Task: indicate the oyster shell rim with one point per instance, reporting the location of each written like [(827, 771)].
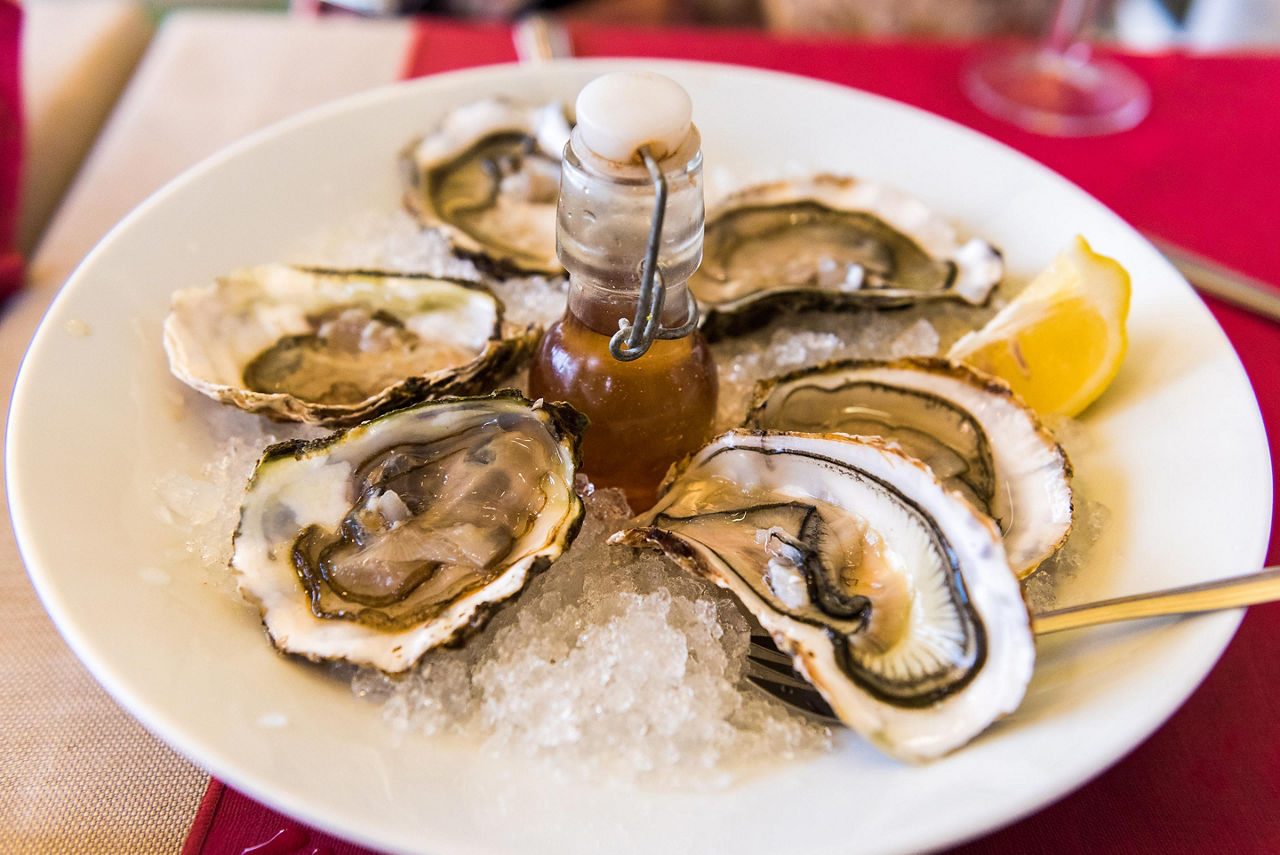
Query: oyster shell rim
[(688, 556), (952, 369), (508, 347), (755, 309), (563, 423), (500, 265)]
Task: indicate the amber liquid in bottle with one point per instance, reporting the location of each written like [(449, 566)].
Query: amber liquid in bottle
[(645, 414)]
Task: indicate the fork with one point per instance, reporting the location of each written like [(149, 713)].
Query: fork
[(770, 669)]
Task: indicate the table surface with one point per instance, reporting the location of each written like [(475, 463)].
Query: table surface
[(77, 57), (84, 777)]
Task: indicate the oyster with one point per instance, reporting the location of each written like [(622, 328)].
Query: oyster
[(489, 177), (831, 242), (379, 543), (971, 430), (891, 594), (335, 347)]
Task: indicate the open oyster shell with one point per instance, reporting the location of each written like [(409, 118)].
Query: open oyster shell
[(971, 429), (489, 178), (335, 347), (379, 543), (889, 591), (831, 242)]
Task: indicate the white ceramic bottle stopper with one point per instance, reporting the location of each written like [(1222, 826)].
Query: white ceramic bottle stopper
[(622, 111)]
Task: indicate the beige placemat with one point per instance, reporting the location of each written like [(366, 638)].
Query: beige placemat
[(77, 774), (77, 56)]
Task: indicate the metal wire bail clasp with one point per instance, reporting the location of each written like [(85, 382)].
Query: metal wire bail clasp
[(634, 338)]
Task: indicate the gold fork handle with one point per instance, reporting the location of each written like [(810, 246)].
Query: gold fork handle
[(1262, 587)]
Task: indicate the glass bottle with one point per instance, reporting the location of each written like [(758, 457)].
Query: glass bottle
[(650, 410)]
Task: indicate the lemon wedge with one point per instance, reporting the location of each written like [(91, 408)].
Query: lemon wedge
[(1060, 342)]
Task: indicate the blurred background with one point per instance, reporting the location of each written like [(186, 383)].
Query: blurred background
[(1143, 24), (79, 54), (1146, 24)]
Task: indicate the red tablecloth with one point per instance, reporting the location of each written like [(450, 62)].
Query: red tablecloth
[(11, 144), (1198, 171)]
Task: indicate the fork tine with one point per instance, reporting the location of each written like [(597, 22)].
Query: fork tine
[(804, 699), (763, 639), (783, 677), (770, 670), (767, 661), (783, 668), (764, 650)]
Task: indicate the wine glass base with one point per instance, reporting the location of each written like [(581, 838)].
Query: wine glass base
[(1068, 94)]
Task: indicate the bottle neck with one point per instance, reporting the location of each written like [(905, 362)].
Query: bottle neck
[(600, 303), (603, 223)]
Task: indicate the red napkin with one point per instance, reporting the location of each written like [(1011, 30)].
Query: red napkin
[(11, 264), (1199, 172), (229, 823)]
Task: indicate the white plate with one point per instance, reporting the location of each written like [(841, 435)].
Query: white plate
[(1176, 447)]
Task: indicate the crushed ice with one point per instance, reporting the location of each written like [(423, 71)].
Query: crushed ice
[(614, 662)]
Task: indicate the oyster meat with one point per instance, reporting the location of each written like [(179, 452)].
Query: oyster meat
[(971, 430), (890, 593), (831, 242), (379, 543), (489, 178), (335, 347)]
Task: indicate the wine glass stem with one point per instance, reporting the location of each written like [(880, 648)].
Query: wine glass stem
[(1064, 30)]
